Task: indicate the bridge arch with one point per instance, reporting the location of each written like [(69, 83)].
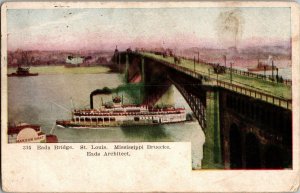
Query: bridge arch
[(252, 153), (235, 145)]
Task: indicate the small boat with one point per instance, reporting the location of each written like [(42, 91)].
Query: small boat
[(29, 133), (22, 71)]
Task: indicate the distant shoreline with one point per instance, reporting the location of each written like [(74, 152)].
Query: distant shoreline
[(51, 69)]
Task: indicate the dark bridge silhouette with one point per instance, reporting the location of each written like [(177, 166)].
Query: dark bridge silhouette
[(247, 119)]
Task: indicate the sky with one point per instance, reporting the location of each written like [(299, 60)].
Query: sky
[(94, 29)]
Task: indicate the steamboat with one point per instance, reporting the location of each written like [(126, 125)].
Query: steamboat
[(72, 61), (262, 67), (29, 133), (116, 114)]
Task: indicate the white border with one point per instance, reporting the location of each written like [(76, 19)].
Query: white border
[(140, 179)]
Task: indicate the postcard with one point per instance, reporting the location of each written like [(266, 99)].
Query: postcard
[(150, 96)]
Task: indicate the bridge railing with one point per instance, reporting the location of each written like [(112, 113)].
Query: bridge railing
[(270, 78), (242, 90), (285, 103)]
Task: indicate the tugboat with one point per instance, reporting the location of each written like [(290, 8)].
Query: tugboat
[(116, 114), (22, 71), (29, 133)]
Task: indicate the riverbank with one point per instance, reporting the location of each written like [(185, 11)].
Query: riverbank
[(64, 70)]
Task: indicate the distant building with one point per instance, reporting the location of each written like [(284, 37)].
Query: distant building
[(74, 60)]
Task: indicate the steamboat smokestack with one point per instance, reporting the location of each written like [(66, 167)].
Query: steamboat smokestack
[(91, 101), (105, 90)]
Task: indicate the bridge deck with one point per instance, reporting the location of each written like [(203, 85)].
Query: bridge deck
[(277, 93)]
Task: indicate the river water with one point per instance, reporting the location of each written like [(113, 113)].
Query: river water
[(47, 97)]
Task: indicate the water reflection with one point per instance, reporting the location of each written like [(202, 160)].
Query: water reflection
[(146, 133)]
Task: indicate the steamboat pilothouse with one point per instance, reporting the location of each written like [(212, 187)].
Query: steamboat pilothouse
[(116, 114)]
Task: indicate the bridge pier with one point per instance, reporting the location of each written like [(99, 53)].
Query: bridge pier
[(143, 70), (127, 68), (212, 157), (254, 134), (119, 62)]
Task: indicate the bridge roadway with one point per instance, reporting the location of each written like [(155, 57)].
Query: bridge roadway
[(279, 94)]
